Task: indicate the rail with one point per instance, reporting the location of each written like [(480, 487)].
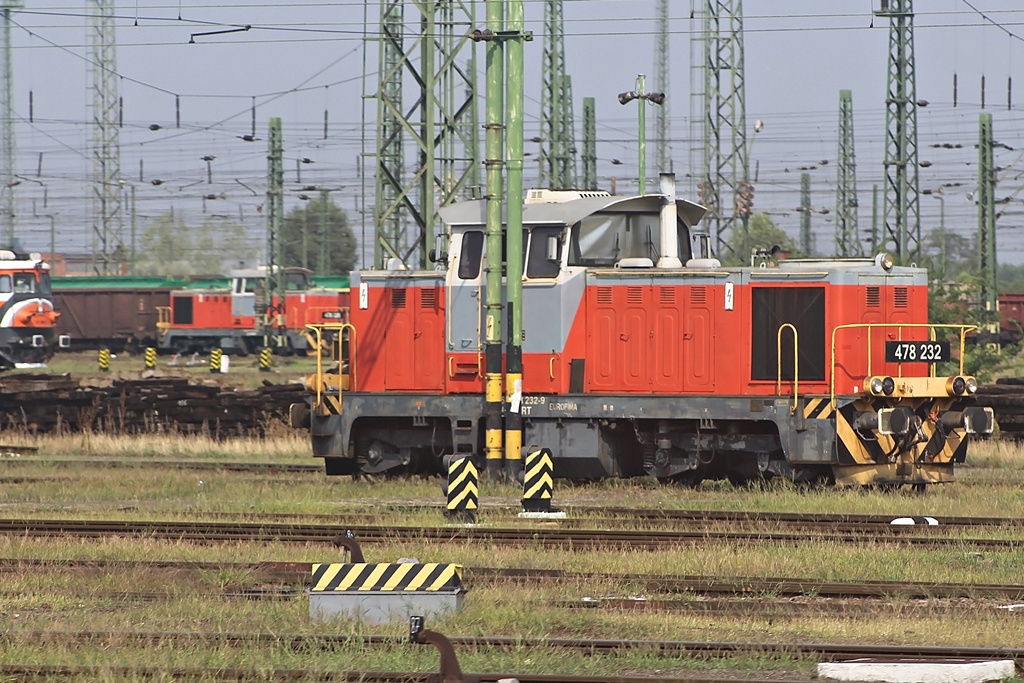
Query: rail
[(163, 319), (318, 330), (796, 365), (963, 329)]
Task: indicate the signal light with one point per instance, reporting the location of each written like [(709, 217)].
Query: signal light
[(972, 385), (876, 385), (957, 386), (888, 386)]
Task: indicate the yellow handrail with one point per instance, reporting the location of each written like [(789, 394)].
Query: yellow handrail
[(796, 365), (340, 328), (963, 329), (163, 319)]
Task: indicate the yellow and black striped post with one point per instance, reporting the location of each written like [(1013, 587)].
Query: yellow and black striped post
[(215, 357), (463, 490), (150, 358), (105, 360), (538, 481), (266, 359)]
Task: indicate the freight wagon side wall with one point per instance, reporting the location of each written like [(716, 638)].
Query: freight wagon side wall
[(109, 317)]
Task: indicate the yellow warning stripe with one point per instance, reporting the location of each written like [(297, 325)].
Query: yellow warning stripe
[(818, 409), (395, 576)]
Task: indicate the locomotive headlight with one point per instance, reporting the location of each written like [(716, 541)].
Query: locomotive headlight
[(885, 261), (972, 385), (956, 386), (876, 385), (888, 386)]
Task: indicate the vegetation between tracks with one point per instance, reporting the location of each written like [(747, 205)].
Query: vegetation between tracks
[(63, 598)]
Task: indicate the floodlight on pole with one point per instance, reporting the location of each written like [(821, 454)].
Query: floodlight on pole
[(654, 98)]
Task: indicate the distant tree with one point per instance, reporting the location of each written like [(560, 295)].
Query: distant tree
[(319, 223), (947, 254), (169, 247), (762, 233)]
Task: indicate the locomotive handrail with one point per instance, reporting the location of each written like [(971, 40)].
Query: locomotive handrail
[(796, 365), (340, 328), (163, 319), (963, 329)]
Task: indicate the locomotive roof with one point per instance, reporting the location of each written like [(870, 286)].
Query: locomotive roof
[(569, 213)]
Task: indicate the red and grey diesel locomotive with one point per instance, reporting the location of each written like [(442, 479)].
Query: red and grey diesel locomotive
[(643, 357), (28, 335)]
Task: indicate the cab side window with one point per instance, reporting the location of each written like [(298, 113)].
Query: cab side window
[(5, 284), (543, 261), (471, 254)]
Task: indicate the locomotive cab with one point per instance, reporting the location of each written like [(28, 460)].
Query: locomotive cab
[(642, 354)]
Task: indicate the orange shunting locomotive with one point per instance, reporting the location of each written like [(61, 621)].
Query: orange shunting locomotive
[(643, 355)]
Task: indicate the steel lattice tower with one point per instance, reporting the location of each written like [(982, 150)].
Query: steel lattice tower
[(725, 170), (7, 194), (557, 154), (806, 236), (987, 215), (427, 138), (589, 144), (902, 212), (107, 220), (848, 242), (662, 77)]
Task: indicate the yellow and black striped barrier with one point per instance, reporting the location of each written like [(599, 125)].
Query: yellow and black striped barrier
[(104, 360), (266, 359), (538, 481), (387, 577), (463, 490), (215, 360), (150, 358)]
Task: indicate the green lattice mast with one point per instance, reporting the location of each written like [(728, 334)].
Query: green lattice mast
[(848, 242)]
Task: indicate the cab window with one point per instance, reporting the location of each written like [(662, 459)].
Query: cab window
[(5, 284), (471, 254), (24, 283), (540, 261)]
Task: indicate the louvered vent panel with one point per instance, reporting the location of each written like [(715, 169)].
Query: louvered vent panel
[(635, 295), (901, 297), (667, 296), (604, 295), (874, 297), (698, 295), (397, 298), (428, 298)]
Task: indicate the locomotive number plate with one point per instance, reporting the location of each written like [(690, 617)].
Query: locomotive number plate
[(916, 351)]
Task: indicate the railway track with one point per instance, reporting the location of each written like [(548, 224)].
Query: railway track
[(298, 574), (308, 642), (209, 532), (29, 673)]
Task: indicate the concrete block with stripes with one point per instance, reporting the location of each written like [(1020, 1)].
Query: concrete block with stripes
[(150, 358), (104, 360), (539, 484), (385, 592), (266, 359), (538, 480), (215, 360), (463, 490)]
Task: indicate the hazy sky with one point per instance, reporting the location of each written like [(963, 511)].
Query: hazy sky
[(302, 58)]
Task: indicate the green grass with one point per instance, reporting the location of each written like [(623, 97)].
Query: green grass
[(58, 597)]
